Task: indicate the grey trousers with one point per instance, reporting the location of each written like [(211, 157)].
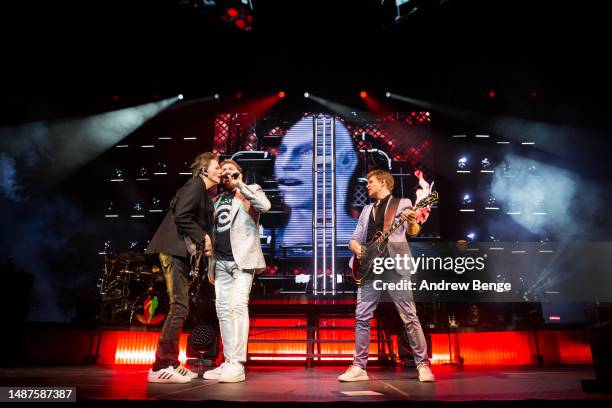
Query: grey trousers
[(367, 302)]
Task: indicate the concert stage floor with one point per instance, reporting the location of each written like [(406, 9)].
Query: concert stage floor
[(318, 385)]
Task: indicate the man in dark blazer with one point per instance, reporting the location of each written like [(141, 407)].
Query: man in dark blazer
[(189, 222)]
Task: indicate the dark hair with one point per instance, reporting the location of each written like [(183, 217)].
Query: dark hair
[(201, 162)]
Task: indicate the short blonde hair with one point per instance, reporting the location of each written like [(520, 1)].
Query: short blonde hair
[(230, 161), (383, 175)]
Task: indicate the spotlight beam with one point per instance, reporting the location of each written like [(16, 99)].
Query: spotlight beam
[(57, 148), (343, 110), (513, 128)]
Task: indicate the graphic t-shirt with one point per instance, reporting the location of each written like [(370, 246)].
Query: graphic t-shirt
[(223, 247)]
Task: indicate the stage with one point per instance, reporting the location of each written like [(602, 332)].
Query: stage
[(299, 385)]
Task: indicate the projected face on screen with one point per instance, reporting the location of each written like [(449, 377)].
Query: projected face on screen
[(293, 166), (293, 171)]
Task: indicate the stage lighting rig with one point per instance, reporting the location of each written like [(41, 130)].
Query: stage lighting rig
[(238, 13), (396, 11)]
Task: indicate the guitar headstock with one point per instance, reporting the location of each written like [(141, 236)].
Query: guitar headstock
[(429, 200)]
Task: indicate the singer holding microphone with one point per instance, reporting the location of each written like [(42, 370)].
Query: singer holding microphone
[(238, 256)]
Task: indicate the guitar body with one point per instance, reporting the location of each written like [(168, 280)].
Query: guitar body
[(362, 268)]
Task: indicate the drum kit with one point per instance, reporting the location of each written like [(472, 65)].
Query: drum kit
[(132, 289)]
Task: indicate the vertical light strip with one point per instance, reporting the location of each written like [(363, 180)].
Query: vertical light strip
[(333, 188), (314, 208), (324, 231)]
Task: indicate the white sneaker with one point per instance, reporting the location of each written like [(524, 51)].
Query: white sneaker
[(354, 373), (182, 370), (166, 375), (234, 372), (425, 374), (215, 373)]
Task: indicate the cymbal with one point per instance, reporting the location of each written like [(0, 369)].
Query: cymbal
[(142, 272)]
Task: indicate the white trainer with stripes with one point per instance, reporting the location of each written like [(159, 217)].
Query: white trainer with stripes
[(182, 370), (167, 375)]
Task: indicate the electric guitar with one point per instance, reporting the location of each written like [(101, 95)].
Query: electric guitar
[(199, 266), (376, 246)]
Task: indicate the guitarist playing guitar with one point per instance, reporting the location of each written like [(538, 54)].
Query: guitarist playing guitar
[(375, 218)]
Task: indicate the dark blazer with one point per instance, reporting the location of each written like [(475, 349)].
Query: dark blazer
[(191, 213)]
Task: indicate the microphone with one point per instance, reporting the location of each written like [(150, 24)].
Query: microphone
[(234, 175)]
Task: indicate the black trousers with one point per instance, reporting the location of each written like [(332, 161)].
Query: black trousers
[(176, 272)]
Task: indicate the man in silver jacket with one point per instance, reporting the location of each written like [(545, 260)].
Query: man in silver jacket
[(238, 256)]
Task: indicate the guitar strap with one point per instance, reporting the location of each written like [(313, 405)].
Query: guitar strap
[(390, 212)]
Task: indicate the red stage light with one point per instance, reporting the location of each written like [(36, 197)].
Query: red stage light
[(139, 347), (479, 348), (232, 12), (363, 94), (491, 94), (281, 94), (241, 24)]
